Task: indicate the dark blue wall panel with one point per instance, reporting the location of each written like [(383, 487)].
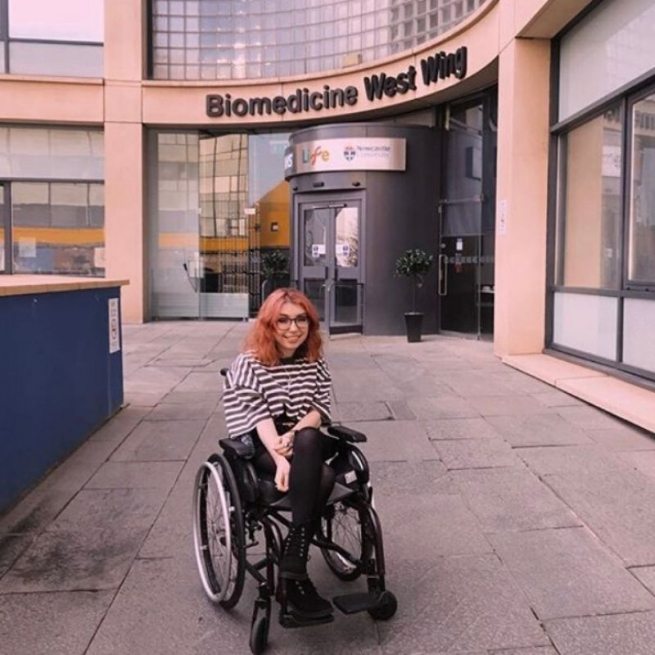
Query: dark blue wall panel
[(58, 381)]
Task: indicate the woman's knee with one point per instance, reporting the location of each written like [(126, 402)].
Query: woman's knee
[(307, 440)]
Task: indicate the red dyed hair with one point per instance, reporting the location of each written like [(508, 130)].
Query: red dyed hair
[(261, 338)]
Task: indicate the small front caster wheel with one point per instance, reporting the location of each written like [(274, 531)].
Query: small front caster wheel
[(386, 608), (259, 635)]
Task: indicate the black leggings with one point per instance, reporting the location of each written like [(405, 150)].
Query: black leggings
[(311, 480)]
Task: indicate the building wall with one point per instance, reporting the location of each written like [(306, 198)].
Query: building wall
[(126, 104)]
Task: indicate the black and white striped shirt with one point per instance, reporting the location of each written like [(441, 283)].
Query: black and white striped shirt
[(255, 392)]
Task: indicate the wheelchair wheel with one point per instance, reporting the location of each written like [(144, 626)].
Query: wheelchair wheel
[(218, 531), (259, 635), (349, 527)]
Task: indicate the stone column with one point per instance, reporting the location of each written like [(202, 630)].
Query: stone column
[(521, 211), (125, 217)]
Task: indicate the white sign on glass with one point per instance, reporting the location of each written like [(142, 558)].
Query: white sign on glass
[(27, 247), (318, 250)]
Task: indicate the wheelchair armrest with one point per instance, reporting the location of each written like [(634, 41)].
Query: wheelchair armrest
[(224, 372), (236, 448), (346, 434)]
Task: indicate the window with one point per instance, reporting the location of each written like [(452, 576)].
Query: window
[(58, 228), (641, 256), (63, 20), (590, 217), (63, 38)]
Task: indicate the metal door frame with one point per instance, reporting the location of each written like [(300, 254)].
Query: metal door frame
[(333, 200)]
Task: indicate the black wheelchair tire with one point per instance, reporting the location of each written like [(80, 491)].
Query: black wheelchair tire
[(339, 566), (237, 535), (259, 635), (386, 609)]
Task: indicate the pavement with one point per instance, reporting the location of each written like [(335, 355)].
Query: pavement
[(517, 519)]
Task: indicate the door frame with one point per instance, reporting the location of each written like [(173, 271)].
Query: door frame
[(332, 199)]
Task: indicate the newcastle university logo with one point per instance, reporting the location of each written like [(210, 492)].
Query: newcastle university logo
[(349, 153)]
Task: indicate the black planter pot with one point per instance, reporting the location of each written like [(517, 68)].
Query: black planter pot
[(413, 324)]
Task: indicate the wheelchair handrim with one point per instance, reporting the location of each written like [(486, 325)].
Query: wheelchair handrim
[(200, 548)]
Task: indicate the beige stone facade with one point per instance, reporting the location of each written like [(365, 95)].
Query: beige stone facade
[(508, 44)]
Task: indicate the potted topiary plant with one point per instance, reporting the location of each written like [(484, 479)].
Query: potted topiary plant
[(275, 270), (414, 264)]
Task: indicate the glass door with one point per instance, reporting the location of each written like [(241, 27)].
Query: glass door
[(329, 256), (466, 219)]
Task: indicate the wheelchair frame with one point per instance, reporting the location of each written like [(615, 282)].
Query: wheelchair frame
[(241, 513)]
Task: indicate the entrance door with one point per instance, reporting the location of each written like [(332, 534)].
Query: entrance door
[(329, 249), (466, 219)]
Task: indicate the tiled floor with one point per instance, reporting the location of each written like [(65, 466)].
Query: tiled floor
[(518, 521)]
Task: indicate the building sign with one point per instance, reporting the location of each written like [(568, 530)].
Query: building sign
[(352, 154), (376, 87), (114, 326)]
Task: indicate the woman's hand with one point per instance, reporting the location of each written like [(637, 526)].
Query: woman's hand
[(284, 445), (282, 475)]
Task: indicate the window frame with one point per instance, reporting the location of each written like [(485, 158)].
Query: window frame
[(627, 95), (631, 101)]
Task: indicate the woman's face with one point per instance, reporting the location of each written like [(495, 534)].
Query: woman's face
[(291, 329)]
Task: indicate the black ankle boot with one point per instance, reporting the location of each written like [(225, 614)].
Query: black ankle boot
[(295, 589), (303, 600), (295, 551)]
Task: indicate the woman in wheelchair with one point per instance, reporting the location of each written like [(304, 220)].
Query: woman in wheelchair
[(276, 462), (277, 395)]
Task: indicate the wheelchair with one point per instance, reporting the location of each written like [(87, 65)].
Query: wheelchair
[(233, 508)]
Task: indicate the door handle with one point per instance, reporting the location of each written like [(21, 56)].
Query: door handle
[(442, 284)]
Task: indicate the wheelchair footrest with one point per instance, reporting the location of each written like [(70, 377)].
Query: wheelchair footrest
[(354, 603), (294, 621)]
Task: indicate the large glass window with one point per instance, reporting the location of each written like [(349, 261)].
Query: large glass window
[(53, 199), (58, 228), (590, 211), (641, 258), (219, 202), (63, 20), (232, 39), (62, 38), (613, 46)]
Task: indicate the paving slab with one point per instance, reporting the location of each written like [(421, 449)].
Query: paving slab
[(396, 441), (184, 397), (512, 499), (121, 424), (12, 546), (618, 506), (187, 623), (513, 405), (36, 511), (74, 560), (475, 453), (643, 461), (442, 407), (476, 383), (391, 478), (364, 385), (369, 411), (400, 410), (458, 605), (182, 411), (645, 575), (110, 509), (154, 379), (621, 634), (554, 398), (589, 418), (201, 381), (622, 439), (135, 475), (538, 650), (538, 429), (160, 441), (57, 623), (568, 573), (570, 460), (452, 530), (460, 428)]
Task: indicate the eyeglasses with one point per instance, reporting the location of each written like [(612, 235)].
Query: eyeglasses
[(284, 322)]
